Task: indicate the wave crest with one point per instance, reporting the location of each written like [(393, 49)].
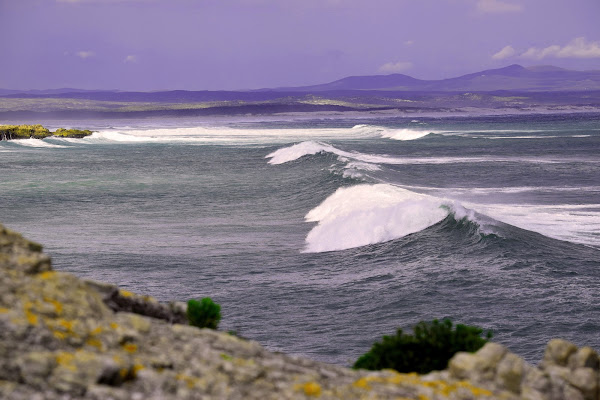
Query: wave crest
[(35, 143), (302, 149), (366, 214), (395, 134)]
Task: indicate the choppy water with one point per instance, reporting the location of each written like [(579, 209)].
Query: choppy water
[(319, 236)]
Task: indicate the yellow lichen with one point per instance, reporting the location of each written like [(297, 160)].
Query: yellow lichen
[(479, 391), (94, 343), (65, 360), (66, 324), (125, 293), (362, 383), (59, 335), (58, 307), (130, 347), (137, 368), (31, 318), (96, 331), (188, 380), (47, 275), (4, 310), (114, 325), (312, 389)]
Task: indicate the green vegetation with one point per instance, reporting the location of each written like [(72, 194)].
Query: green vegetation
[(428, 349), (71, 133), (204, 313), (9, 132)]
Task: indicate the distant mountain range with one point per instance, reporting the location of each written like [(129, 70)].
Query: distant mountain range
[(513, 78)]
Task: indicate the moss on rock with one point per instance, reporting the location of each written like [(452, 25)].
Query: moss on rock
[(10, 132), (13, 132), (72, 133)]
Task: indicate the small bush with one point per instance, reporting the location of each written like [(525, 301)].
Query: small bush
[(71, 133), (204, 313), (428, 349)]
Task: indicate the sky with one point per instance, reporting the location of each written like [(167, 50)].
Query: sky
[(247, 44)]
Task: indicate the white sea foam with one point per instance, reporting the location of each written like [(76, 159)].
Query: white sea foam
[(395, 134), (404, 134), (367, 214), (35, 143), (571, 222), (299, 150), (227, 135), (114, 136), (296, 151)]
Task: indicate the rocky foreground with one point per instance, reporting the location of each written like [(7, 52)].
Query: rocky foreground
[(66, 338)]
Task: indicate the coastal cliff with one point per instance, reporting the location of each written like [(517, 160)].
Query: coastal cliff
[(62, 337)]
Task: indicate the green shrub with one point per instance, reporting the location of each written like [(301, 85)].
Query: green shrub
[(72, 133), (204, 313), (428, 349), (8, 132)]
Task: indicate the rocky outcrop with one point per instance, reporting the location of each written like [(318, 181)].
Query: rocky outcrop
[(65, 338), (72, 133), (13, 132), (566, 372)]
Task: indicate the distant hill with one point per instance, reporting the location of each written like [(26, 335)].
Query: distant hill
[(514, 77), (43, 92)]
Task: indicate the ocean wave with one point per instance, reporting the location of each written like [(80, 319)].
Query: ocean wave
[(34, 143), (367, 214), (576, 223), (114, 136), (226, 135), (404, 134), (298, 150), (395, 134)]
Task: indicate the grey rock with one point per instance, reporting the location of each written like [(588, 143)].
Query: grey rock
[(558, 352), (62, 338)]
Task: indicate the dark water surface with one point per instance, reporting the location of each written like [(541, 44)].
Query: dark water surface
[(491, 221)]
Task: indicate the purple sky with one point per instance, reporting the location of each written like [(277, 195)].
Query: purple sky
[(238, 44)]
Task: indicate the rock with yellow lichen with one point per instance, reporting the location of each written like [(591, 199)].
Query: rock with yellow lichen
[(65, 338)]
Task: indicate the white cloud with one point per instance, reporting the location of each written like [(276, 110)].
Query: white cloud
[(497, 6), (399, 66), (506, 52), (576, 48), (409, 42), (132, 58), (85, 54)]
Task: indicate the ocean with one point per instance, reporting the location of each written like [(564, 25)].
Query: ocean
[(320, 234)]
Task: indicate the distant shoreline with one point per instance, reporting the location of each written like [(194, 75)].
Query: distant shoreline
[(327, 111)]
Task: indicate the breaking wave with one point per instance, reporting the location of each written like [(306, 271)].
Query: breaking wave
[(367, 214), (34, 143), (395, 134), (296, 151)]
